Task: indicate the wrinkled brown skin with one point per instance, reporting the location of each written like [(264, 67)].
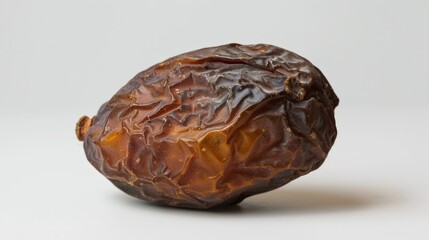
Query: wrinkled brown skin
[(211, 127)]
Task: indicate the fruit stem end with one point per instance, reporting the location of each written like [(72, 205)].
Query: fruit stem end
[(82, 127)]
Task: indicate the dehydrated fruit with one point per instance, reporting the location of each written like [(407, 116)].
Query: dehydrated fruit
[(213, 126)]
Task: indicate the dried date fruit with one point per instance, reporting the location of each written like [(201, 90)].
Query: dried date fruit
[(213, 126)]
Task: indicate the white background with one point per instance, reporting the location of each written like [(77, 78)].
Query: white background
[(63, 59)]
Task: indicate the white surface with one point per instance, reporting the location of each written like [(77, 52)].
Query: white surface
[(60, 60)]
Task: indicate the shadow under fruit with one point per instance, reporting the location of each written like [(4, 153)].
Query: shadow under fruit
[(213, 126)]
